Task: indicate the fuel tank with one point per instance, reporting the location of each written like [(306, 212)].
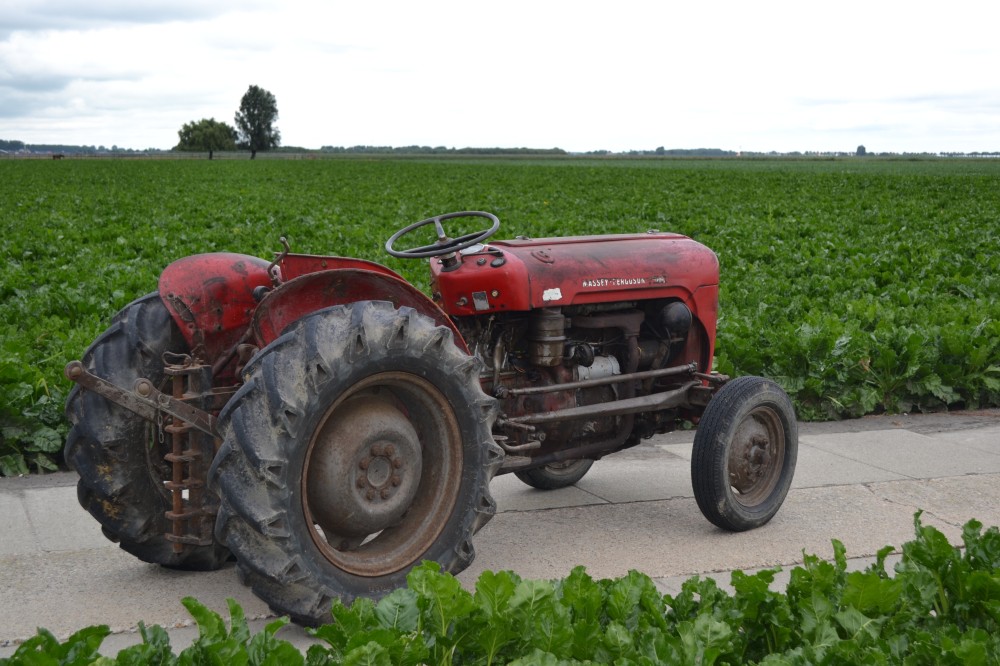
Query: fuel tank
[(524, 274)]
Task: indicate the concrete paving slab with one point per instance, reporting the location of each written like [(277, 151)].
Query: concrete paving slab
[(985, 439), (955, 500), (908, 453), (680, 450), (817, 467), (638, 480), (670, 537), (601, 524), (18, 537), (511, 494), (107, 586), (44, 505)]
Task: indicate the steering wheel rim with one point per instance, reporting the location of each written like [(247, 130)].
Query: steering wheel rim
[(444, 244)]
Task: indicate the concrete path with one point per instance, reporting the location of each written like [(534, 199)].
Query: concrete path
[(856, 481)]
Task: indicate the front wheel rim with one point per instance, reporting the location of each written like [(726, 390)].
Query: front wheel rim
[(756, 457)]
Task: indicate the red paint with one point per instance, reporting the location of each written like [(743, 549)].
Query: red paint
[(296, 265), (518, 275), (314, 291), (210, 296), (553, 272)]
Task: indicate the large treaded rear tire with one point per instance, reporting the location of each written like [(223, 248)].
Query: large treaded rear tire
[(113, 450), (359, 445), (744, 454)]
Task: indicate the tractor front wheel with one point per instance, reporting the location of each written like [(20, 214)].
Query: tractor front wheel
[(744, 454), (359, 446)]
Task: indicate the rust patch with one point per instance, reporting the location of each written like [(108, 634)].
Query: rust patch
[(111, 510)]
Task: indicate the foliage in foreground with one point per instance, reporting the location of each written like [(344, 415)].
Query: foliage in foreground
[(942, 606)]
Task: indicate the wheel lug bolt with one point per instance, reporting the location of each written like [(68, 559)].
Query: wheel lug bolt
[(396, 480), (370, 495), (385, 493), (389, 450), (360, 482), (397, 463), (365, 462), (377, 450)]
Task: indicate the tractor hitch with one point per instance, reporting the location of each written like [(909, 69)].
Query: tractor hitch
[(192, 438), (143, 399)]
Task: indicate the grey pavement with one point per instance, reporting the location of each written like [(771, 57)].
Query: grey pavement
[(857, 481)]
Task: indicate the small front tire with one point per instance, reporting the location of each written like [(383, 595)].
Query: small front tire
[(744, 454)]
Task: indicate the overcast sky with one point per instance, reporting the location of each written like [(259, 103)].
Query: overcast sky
[(788, 76)]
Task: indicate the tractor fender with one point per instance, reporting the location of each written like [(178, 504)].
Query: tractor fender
[(210, 297), (308, 293)]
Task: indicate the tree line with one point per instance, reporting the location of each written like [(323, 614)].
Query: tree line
[(438, 150), (254, 127)]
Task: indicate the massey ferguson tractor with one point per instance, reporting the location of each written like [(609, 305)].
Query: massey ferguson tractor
[(329, 426)]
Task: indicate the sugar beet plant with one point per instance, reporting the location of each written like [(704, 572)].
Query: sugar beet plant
[(860, 285), (940, 606)]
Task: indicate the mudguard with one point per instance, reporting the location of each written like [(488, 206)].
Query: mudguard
[(336, 286), (210, 297)]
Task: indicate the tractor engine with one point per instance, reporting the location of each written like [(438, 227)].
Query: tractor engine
[(580, 334), (569, 361)]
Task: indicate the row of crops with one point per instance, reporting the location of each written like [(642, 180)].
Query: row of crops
[(860, 285)]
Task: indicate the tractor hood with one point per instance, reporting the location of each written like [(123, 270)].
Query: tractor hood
[(524, 274)]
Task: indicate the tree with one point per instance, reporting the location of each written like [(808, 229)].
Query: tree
[(206, 134), (255, 121), (861, 151)]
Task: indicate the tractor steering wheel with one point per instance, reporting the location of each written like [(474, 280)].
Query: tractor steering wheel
[(444, 244)]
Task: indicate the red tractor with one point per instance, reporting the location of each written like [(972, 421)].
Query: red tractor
[(328, 425)]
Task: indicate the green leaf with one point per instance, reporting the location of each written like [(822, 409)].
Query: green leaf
[(398, 610), (494, 592), (264, 649), (440, 598), (538, 658), (239, 630), (154, 649), (48, 440), (584, 596), (705, 640), (617, 640), (211, 627), (858, 625), (869, 593), (370, 654), (13, 464)]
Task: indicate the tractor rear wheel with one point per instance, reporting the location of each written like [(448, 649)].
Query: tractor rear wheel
[(744, 454), (359, 446), (115, 451), (555, 475)]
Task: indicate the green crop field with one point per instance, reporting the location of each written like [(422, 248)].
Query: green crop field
[(860, 285)]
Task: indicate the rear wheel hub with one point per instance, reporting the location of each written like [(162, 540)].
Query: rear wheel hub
[(365, 469)]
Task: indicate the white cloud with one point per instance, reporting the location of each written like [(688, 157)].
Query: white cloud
[(581, 76)]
